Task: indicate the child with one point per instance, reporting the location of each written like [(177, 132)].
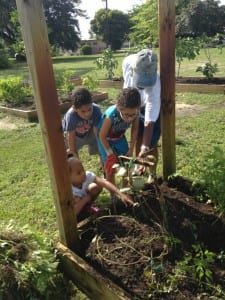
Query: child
[(79, 123), (112, 127), (86, 187)]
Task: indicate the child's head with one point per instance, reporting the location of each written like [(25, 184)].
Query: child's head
[(76, 170), (82, 103), (128, 103)]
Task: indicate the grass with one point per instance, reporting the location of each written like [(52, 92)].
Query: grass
[(83, 64)]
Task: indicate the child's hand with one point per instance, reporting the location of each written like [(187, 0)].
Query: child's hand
[(110, 161), (126, 200)]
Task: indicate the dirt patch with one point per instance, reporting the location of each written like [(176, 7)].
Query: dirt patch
[(170, 246), (7, 124)]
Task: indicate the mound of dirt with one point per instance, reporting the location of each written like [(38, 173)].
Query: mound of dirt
[(169, 246)]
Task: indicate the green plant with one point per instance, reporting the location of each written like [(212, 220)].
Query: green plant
[(108, 62), (14, 91), (186, 48), (29, 267), (90, 81), (63, 81), (212, 174), (86, 50), (208, 70), (197, 264)]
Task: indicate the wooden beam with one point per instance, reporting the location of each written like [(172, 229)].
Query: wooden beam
[(35, 37), (167, 74), (87, 278)]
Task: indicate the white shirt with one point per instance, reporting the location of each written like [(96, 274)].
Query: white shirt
[(82, 192), (150, 96)]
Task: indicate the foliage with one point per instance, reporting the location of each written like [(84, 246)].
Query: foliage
[(13, 91), (4, 59), (86, 50), (212, 174), (90, 81), (197, 264), (111, 26), (209, 69), (191, 23), (107, 61), (29, 267), (63, 81), (144, 30), (61, 18), (186, 48)]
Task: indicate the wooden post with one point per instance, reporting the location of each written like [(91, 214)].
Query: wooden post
[(35, 37), (167, 74)]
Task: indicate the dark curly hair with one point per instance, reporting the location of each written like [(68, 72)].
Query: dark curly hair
[(81, 97), (129, 98)]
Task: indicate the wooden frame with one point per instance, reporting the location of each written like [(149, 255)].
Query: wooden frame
[(35, 37)]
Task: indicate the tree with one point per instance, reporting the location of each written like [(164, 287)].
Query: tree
[(201, 17), (61, 18), (145, 23), (112, 27), (63, 26)]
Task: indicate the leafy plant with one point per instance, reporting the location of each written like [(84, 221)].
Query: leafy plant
[(197, 264), (90, 81), (208, 70), (212, 174), (186, 48), (108, 62), (29, 267), (14, 91), (63, 81)]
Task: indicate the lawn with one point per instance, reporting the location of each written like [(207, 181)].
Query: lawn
[(81, 65)]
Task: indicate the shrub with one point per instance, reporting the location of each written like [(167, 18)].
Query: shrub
[(90, 81), (13, 91), (4, 59), (29, 267), (86, 50)]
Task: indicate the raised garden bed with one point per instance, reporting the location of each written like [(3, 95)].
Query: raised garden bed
[(170, 246), (28, 111), (183, 84)]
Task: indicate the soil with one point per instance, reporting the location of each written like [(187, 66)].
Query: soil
[(199, 80), (169, 246)]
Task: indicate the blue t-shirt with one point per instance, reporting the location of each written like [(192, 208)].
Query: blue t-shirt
[(72, 121), (119, 126)]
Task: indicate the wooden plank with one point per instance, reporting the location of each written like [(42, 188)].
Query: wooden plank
[(167, 74), (200, 88), (87, 278), (35, 38)]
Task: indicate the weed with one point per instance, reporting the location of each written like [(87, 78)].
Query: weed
[(13, 91)]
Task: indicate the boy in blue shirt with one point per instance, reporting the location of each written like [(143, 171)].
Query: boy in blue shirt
[(112, 128), (80, 121)]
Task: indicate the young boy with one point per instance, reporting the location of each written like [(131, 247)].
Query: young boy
[(86, 187), (80, 121), (112, 127)]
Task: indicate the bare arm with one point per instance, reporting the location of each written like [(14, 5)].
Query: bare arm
[(133, 138), (71, 139), (113, 189), (104, 132)]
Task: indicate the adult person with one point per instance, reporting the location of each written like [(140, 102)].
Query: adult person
[(140, 71)]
